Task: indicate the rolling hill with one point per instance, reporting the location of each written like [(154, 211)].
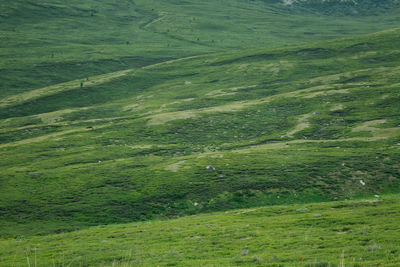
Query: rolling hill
[(43, 43), (253, 119), (227, 130)]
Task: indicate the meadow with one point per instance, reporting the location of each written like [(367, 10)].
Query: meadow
[(264, 140), (276, 126), (43, 43), (323, 234)]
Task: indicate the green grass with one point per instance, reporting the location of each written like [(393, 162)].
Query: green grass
[(303, 123), (113, 113), (49, 42), (346, 233)]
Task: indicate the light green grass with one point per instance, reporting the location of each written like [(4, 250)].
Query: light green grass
[(346, 233)]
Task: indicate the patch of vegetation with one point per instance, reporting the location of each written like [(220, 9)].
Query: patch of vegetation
[(323, 234), (44, 43), (228, 130)]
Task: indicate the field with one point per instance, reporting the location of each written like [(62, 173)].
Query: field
[(286, 125), (113, 113), (43, 43), (324, 234)]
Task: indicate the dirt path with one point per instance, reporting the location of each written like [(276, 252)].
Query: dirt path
[(62, 87), (49, 136), (76, 84)]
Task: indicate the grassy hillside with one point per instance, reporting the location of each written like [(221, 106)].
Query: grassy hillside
[(339, 8), (214, 132), (48, 42), (348, 233)]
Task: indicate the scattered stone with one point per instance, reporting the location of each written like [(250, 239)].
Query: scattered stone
[(317, 215), (316, 113), (377, 196), (245, 252), (362, 182), (195, 204), (341, 233), (373, 247), (35, 174), (303, 209), (210, 168), (99, 161)]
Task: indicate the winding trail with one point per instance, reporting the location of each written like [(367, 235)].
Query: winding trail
[(76, 84)]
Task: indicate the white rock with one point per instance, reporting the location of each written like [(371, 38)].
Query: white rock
[(303, 209)]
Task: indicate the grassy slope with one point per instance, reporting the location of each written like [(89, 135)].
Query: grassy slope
[(48, 42), (348, 233), (288, 125)]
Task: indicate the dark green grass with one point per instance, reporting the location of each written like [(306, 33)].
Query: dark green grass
[(137, 147), (44, 42), (224, 105)]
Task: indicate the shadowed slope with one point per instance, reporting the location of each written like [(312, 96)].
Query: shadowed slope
[(48, 42)]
